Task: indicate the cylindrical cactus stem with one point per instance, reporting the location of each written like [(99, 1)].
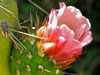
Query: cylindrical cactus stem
[(8, 16), (5, 44)]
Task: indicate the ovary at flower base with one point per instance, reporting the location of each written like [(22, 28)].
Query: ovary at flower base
[(67, 32)]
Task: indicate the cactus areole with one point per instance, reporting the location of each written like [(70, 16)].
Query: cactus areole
[(8, 16)]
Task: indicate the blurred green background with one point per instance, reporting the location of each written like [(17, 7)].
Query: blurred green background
[(88, 63)]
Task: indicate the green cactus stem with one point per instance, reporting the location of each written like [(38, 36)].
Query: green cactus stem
[(8, 14), (31, 61)]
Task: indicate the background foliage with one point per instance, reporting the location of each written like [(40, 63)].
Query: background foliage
[(89, 62)]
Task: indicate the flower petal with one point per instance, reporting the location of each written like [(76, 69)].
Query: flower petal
[(61, 10), (40, 32), (67, 63), (54, 34), (73, 18), (68, 33), (86, 38), (71, 50), (49, 47), (52, 19)]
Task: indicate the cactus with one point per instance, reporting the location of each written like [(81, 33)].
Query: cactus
[(31, 61), (8, 15), (41, 52)]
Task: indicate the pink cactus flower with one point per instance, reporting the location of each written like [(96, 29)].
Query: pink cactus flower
[(67, 32)]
